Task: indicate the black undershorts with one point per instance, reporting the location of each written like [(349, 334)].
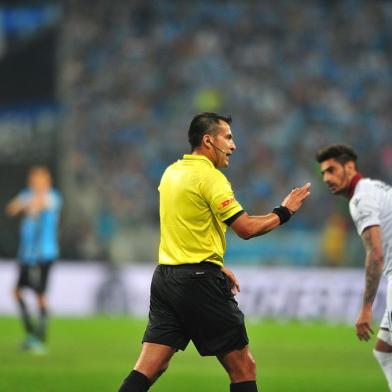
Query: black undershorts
[(34, 276), (195, 302)]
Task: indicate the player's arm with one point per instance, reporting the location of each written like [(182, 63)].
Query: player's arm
[(30, 206), (14, 207), (38, 203), (374, 264), (247, 226)]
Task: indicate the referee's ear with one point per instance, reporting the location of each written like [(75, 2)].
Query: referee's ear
[(207, 142)]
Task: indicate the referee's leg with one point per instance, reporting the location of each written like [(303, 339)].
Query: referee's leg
[(241, 368), (153, 361)]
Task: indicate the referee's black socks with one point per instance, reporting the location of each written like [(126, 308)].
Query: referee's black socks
[(246, 386), (136, 382)]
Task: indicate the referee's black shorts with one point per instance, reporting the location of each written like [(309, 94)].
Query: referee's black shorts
[(195, 302)]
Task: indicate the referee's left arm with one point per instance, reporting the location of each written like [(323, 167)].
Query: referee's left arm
[(246, 226)]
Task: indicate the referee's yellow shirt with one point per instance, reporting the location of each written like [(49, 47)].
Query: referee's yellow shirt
[(195, 200)]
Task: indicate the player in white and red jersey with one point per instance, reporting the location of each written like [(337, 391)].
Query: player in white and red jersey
[(370, 203)]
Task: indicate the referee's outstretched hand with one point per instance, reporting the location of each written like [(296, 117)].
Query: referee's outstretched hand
[(294, 200)]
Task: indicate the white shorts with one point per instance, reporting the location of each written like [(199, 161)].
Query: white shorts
[(386, 322)]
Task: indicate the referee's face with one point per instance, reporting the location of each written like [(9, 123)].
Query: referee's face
[(336, 175), (224, 145)]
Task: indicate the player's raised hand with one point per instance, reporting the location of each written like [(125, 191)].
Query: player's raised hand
[(294, 200), (362, 326)]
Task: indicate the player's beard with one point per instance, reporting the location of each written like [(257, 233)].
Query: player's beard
[(343, 189)]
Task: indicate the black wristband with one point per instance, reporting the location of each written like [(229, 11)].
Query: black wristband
[(283, 213)]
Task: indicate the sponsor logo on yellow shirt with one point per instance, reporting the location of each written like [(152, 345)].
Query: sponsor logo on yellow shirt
[(226, 203)]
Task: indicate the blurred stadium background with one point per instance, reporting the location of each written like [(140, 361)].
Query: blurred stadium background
[(103, 93)]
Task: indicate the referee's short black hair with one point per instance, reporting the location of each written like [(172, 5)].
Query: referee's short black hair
[(204, 123), (342, 153)]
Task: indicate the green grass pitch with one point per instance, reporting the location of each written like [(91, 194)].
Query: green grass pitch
[(94, 354)]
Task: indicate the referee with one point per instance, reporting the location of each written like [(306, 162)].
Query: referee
[(192, 294)]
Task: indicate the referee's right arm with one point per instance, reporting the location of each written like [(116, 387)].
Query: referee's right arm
[(246, 226)]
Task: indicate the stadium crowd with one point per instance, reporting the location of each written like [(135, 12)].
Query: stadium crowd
[(294, 78)]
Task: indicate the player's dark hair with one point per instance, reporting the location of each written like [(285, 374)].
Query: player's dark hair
[(204, 123), (342, 153)]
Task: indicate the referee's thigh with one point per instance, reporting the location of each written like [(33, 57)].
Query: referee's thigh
[(195, 302), (214, 321)]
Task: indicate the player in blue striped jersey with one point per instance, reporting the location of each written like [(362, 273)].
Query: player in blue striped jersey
[(40, 206)]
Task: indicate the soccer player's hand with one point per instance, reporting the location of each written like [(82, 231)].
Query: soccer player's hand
[(293, 201), (364, 331), (235, 285)]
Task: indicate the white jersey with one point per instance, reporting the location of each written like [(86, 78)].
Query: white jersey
[(371, 205)]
